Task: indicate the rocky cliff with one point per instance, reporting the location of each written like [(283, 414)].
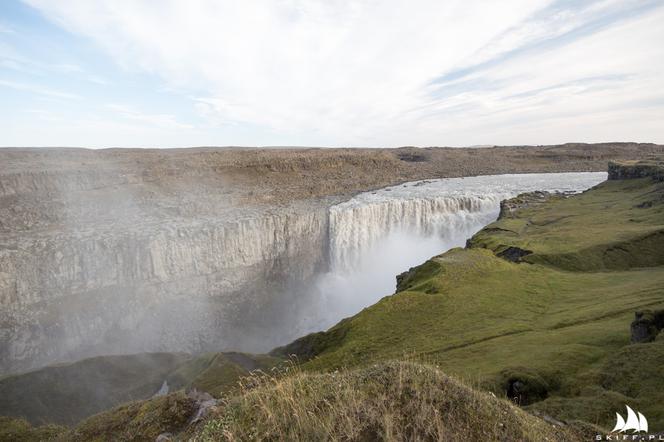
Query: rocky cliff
[(125, 250), (621, 170)]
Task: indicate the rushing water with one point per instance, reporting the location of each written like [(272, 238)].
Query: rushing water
[(377, 235)]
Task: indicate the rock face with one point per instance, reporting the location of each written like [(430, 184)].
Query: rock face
[(646, 325), (119, 251), (122, 290), (514, 254), (622, 170), (509, 206)]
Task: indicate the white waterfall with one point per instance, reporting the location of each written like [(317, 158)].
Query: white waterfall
[(377, 235)]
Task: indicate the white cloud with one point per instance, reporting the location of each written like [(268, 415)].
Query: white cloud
[(603, 87), (361, 72), (6, 29), (37, 89), (164, 120)]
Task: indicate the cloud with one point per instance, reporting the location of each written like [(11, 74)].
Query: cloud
[(37, 89), (6, 29), (392, 72), (164, 120)]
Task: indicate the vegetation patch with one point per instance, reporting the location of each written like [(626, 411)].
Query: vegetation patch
[(392, 401), (20, 430), (137, 421), (67, 393), (218, 373)]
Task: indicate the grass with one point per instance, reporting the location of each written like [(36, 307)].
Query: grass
[(67, 393), (218, 373), (20, 430), (617, 226), (392, 401), (136, 421)]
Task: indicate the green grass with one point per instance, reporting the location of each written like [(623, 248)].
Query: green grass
[(218, 373), (20, 430), (137, 421), (617, 226), (67, 393)]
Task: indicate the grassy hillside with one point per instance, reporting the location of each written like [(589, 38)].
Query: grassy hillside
[(67, 393), (391, 401), (558, 322), (394, 401), (218, 373)]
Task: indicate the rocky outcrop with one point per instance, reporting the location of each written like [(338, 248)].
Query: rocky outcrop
[(524, 386), (513, 254), (509, 207), (625, 170), (646, 325)]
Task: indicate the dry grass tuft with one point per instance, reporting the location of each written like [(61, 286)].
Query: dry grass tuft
[(395, 401)]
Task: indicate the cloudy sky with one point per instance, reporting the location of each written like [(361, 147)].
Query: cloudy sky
[(330, 73)]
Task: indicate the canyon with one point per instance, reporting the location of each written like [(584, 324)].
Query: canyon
[(209, 249)]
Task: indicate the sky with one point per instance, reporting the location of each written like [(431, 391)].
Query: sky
[(379, 73)]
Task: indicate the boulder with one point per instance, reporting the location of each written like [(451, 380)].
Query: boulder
[(646, 325)]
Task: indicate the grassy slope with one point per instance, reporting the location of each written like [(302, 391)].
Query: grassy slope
[(19, 430), (483, 318), (136, 421), (600, 230), (218, 373), (67, 393), (393, 402)]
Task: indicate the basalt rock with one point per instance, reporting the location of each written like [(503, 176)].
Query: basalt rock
[(646, 325), (513, 254), (625, 170), (524, 386), (509, 206)]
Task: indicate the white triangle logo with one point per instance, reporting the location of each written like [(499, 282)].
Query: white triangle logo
[(635, 423)]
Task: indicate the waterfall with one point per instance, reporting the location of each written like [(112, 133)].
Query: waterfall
[(357, 229), (377, 235)]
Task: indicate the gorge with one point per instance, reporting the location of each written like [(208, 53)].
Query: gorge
[(109, 268)]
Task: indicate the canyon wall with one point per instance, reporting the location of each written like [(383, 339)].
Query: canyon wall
[(168, 286), (121, 251)]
